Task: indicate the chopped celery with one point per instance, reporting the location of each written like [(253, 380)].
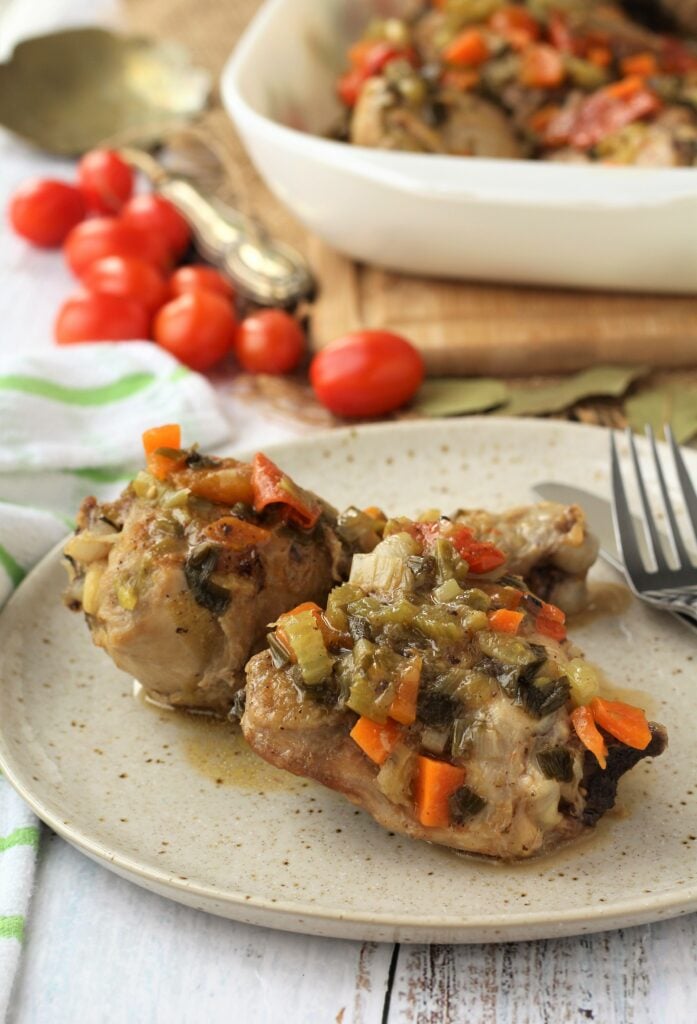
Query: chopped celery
[(438, 624), (308, 646), (448, 591), (395, 777), (584, 681), (477, 599), (145, 486), (510, 650), (473, 620), (475, 689), (176, 499), (399, 613), (385, 569), (337, 602)]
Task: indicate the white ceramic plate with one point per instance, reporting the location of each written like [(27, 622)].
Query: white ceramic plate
[(135, 787), (593, 226)]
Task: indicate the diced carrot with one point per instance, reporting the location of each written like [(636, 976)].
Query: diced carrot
[(376, 741), (587, 732), (516, 26), (600, 56), (625, 87), (436, 781), (623, 721), (236, 534), (167, 436), (403, 706), (271, 486), (374, 512), (506, 621), (642, 64), (542, 67), (468, 48)]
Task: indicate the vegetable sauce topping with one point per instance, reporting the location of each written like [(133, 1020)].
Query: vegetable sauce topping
[(460, 685), (569, 80)]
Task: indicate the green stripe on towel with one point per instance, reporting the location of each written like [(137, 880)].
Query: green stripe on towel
[(119, 389), (12, 928), (102, 474), (13, 569), (26, 836)]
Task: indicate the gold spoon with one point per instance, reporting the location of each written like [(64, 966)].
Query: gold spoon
[(70, 91)]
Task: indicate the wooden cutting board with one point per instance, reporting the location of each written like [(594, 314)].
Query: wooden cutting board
[(461, 328)]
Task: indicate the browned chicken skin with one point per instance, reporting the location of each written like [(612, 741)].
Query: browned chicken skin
[(182, 608), (416, 663)]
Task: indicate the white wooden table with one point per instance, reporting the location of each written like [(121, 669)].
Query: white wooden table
[(99, 949)]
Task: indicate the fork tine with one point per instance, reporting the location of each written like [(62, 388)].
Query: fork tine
[(647, 517), (624, 527), (688, 491), (674, 529)]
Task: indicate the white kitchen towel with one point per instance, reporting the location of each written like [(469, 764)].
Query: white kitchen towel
[(70, 425)]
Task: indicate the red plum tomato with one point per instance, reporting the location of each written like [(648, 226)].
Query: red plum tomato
[(156, 214), (92, 317), (198, 328), (270, 341), (367, 373), (196, 277), (105, 180), (109, 236), (44, 211), (129, 277)]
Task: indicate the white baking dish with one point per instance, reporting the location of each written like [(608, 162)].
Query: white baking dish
[(502, 220)]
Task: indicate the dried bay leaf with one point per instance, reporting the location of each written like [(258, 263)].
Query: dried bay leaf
[(610, 381), (673, 404), (459, 396)]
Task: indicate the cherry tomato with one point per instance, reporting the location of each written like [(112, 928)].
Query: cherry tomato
[(198, 277), (155, 213), (92, 317), (270, 341), (109, 236), (105, 180), (198, 328), (128, 277), (367, 373), (44, 211)]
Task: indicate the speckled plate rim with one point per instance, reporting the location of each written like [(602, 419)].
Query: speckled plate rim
[(295, 916)]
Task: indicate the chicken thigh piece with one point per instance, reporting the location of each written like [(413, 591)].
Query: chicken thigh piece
[(180, 576), (445, 699)]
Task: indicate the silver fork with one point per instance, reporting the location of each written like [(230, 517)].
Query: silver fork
[(670, 587)]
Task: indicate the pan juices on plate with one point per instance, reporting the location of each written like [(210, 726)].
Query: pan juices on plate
[(439, 693)]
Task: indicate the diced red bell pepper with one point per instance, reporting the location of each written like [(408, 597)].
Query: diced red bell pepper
[(273, 487)]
